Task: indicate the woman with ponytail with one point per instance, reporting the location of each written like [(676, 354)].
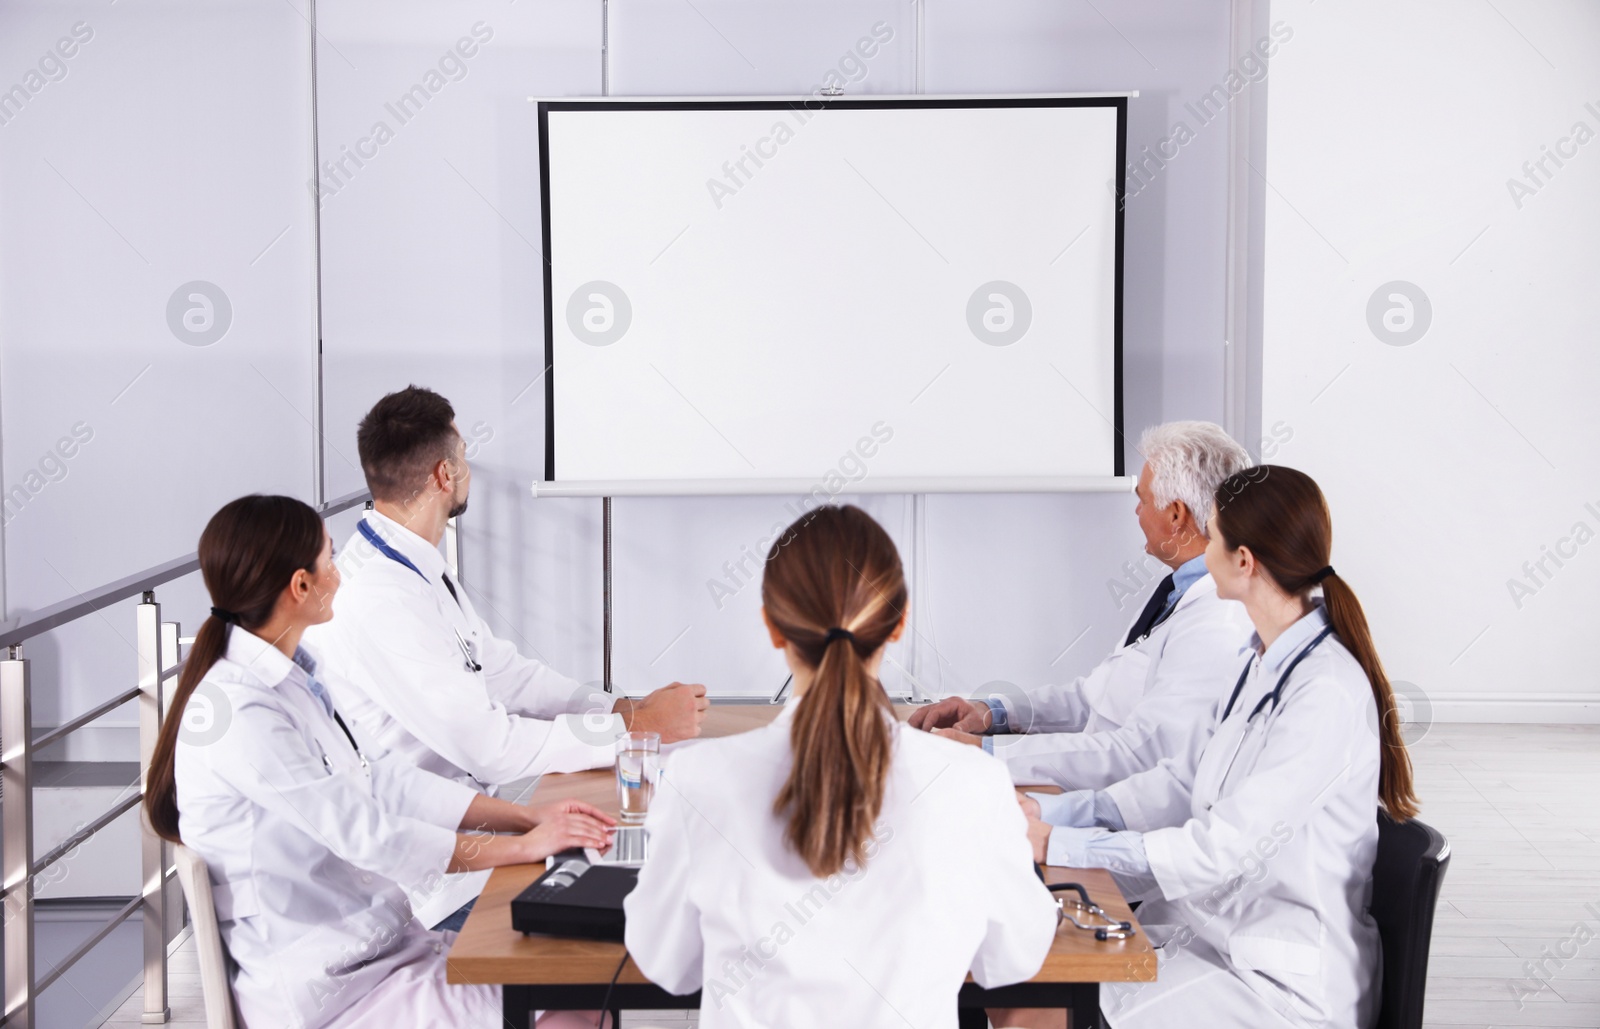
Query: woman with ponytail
[(305, 835), (834, 867), (1256, 863)]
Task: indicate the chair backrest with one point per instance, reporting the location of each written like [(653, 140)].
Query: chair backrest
[(214, 979), (1406, 877)]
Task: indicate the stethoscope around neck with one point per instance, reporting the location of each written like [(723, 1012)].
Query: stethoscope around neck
[(1277, 691), (468, 658), (1270, 700)]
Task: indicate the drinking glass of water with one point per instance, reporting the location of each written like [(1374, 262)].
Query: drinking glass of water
[(638, 771)]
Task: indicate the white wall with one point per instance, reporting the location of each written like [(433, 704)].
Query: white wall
[(1452, 459), (430, 274)]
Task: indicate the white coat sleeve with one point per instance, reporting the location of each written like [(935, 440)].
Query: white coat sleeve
[(1021, 912), (265, 757), (663, 921), (527, 686), (1199, 661), (1316, 738), (421, 681), (1053, 708), (405, 789), (1157, 798)]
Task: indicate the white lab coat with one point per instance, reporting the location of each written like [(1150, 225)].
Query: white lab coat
[(396, 644), (305, 843), (1149, 700), (724, 905), (1263, 853)]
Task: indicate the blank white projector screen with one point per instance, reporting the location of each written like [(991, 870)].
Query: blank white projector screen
[(759, 294)]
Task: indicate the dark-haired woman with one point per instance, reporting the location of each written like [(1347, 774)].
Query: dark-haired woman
[(1257, 862), (304, 835), (835, 868)]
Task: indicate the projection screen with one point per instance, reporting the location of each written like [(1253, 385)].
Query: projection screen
[(914, 294)]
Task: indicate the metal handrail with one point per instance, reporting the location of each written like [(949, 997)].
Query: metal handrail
[(44, 739), (61, 967), (65, 847), (78, 837), (16, 630)]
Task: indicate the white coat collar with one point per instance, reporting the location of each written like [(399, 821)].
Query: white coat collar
[(429, 561), (266, 662), (1202, 587), (1205, 586)]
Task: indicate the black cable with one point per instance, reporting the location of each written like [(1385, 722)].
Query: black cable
[(605, 1005)]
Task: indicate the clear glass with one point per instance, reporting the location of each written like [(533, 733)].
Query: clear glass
[(638, 771)]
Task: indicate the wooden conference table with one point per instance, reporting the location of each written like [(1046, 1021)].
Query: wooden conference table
[(549, 972)]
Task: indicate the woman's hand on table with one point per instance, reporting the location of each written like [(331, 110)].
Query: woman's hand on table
[(540, 813), (540, 832), (564, 825)]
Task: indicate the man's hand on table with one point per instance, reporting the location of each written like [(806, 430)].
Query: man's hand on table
[(674, 711), (953, 713)]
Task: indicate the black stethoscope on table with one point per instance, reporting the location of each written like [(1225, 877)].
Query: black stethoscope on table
[(394, 555), (1108, 929)]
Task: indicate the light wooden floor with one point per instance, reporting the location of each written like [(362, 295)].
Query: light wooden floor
[(1520, 805)]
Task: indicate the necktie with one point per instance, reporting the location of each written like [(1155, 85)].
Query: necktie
[(452, 588), (1150, 617)]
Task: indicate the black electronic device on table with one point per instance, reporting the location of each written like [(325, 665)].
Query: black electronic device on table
[(575, 898)]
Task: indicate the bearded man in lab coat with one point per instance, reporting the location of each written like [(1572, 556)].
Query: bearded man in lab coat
[(1153, 696), (428, 677)]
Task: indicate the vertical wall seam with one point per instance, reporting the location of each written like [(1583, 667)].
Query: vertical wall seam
[(319, 479), (1238, 324)]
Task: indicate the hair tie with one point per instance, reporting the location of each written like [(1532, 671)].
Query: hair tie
[(225, 617), (837, 633), (1322, 573)]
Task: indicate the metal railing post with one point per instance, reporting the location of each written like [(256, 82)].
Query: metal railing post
[(177, 907), (170, 631), (152, 847), (16, 849)]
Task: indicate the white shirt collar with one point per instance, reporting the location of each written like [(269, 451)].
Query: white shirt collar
[(1187, 574), (427, 557), (1293, 638)]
